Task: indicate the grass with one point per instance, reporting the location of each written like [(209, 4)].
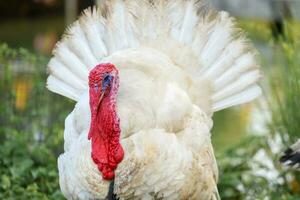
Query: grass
[(285, 87)]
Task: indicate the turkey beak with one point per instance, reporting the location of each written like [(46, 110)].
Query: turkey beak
[(100, 100)]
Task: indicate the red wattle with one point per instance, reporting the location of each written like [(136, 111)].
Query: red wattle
[(107, 151)]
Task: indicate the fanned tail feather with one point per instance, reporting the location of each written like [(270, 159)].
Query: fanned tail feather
[(208, 46), (230, 63)]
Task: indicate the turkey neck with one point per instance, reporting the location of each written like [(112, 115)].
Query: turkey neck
[(107, 151)]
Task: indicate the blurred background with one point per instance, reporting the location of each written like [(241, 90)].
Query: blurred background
[(247, 139)]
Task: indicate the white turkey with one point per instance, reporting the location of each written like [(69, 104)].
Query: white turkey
[(147, 77), (291, 157)]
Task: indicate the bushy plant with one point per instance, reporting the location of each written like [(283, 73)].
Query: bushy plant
[(251, 169), (31, 136)]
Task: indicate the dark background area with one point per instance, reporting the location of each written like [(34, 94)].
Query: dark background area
[(37, 24), (14, 9)]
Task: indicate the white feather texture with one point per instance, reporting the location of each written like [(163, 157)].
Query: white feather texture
[(178, 62)]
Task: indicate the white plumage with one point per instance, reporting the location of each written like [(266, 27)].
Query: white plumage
[(178, 63)]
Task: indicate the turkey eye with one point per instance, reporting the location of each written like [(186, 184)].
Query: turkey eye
[(106, 78), (106, 81)]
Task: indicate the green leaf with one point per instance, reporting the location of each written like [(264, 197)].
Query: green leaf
[(5, 182)]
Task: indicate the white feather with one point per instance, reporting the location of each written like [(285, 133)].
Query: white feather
[(184, 23), (243, 97), (217, 41), (64, 74), (93, 29), (71, 61), (59, 87), (239, 85), (225, 60), (77, 42), (242, 64)]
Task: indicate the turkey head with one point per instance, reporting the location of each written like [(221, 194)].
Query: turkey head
[(104, 133)]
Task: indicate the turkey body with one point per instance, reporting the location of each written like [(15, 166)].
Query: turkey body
[(178, 64), (165, 136)]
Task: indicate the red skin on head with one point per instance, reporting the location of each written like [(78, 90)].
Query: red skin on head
[(104, 133)]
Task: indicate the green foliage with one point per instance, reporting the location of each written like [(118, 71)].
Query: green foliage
[(244, 176), (30, 138), (256, 30), (239, 164), (285, 85)]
